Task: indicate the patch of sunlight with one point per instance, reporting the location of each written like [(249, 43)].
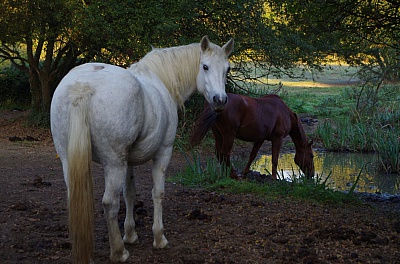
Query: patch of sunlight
[(332, 76)]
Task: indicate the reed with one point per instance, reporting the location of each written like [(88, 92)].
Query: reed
[(200, 173), (345, 135), (388, 147)]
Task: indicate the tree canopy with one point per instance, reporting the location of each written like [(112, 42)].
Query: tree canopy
[(362, 32), (47, 38)]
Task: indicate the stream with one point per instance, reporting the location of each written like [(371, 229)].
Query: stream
[(341, 169)]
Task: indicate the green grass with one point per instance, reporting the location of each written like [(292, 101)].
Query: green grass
[(211, 176)]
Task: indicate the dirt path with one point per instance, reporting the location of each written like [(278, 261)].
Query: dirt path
[(201, 226)]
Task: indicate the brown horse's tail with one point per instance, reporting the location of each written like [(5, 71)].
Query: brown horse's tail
[(203, 123), (80, 180)]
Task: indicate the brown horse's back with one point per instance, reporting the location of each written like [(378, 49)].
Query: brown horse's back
[(255, 119)]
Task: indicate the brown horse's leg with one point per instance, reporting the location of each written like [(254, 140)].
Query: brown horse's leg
[(276, 147), (226, 157), (223, 148), (253, 154)]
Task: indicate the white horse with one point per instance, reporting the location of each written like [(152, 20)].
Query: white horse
[(125, 117)]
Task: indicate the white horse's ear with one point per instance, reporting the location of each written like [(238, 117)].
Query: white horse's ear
[(205, 43), (228, 47)]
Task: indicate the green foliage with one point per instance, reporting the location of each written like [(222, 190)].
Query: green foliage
[(14, 88), (46, 39), (123, 32), (360, 32), (39, 119)]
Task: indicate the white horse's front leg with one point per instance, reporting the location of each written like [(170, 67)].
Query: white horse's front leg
[(159, 168), (114, 182), (129, 195)]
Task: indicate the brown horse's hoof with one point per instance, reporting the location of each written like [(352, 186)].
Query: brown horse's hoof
[(236, 176)]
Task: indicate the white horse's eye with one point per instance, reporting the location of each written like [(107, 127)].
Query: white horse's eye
[(205, 67)]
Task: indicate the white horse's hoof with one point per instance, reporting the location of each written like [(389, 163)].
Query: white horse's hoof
[(121, 258), (131, 240), (125, 255), (162, 244)]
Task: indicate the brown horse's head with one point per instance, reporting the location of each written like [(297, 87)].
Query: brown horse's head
[(304, 158)]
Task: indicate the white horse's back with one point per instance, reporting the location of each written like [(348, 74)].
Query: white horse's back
[(110, 85), (120, 118), (118, 109)]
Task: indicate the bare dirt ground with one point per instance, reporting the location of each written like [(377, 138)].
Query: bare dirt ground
[(201, 226)]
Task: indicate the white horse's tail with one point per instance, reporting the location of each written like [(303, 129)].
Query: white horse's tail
[(80, 179)]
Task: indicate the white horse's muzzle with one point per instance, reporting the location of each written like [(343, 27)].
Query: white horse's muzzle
[(219, 102)]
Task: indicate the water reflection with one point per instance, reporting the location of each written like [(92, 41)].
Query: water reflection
[(343, 169)]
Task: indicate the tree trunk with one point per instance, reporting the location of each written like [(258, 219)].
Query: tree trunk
[(45, 84), (41, 90), (36, 90)]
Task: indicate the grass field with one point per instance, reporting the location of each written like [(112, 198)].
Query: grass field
[(332, 76)]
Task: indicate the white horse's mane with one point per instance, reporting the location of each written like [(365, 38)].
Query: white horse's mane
[(177, 67)]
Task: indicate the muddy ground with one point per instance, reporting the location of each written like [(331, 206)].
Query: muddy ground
[(201, 226)]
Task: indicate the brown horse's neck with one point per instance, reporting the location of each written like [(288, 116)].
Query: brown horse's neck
[(297, 134)]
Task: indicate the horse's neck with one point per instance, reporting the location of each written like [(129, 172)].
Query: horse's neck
[(176, 67), (298, 135)]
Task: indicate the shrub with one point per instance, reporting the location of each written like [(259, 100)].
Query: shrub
[(14, 87)]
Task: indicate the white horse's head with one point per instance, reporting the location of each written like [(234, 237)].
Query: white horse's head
[(214, 66)]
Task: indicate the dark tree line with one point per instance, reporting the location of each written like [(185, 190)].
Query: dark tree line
[(47, 38)]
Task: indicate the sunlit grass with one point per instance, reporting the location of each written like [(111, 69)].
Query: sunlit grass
[(332, 76)]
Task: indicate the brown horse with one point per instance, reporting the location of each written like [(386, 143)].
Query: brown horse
[(254, 120)]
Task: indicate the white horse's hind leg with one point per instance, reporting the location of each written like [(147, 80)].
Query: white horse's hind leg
[(159, 168), (129, 195), (114, 182)]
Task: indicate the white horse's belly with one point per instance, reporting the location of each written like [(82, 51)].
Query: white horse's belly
[(141, 153), (160, 134)]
